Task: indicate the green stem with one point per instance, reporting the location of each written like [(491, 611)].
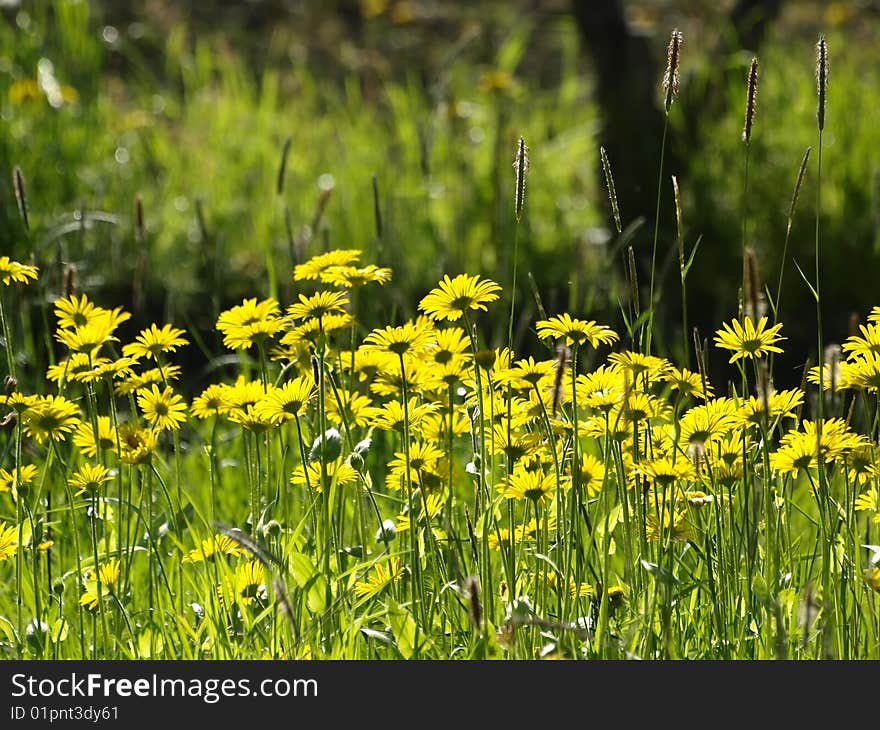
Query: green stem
[(650, 324)]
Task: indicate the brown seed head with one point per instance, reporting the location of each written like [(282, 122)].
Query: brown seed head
[(821, 79), (751, 101), (670, 77)]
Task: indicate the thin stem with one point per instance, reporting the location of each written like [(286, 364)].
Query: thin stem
[(650, 324)]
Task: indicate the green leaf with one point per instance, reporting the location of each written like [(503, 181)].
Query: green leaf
[(806, 281), (403, 626), (302, 568), (316, 596), (26, 531), (690, 261), (60, 630), (145, 640), (512, 50), (8, 630)]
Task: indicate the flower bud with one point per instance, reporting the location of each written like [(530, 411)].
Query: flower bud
[(387, 532), (331, 442)]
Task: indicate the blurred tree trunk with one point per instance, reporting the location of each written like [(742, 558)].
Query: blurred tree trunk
[(628, 76), (628, 68), (627, 81)]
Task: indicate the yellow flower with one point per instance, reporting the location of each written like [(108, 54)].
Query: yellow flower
[(603, 388), (639, 369), (867, 344), (527, 373), (533, 485), (337, 470), (447, 345), (246, 585), (390, 417), (249, 322), (51, 416), (152, 342), (835, 441), (79, 367), (108, 577), (351, 276), (72, 312), (575, 331), (19, 402), (861, 465), (644, 406), (783, 404), (90, 477), (689, 383), (313, 268), (24, 90), (704, 424), (862, 373), (288, 401), (8, 541), (213, 401), (368, 362), (452, 298), (138, 444), (380, 576), (134, 383), (674, 520), (798, 453), (872, 577), (84, 438), (747, 339), (253, 419), (311, 330), (423, 460), (211, 547), (592, 474), (868, 501), (26, 475), (358, 409), (318, 305), (664, 472), (244, 393), (14, 271), (89, 337), (163, 409), (390, 381), (409, 338)]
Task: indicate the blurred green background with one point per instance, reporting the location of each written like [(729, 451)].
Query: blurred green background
[(188, 105)]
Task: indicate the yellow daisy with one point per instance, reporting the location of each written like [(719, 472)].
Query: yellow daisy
[(89, 478), (575, 331), (154, 341), (380, 576), (13, 271), (164, 410), (451, 298), (747, 339), (313, 268), (8, 541)]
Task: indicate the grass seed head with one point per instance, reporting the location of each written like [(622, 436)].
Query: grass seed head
[(751, 101), (673, 57), (821, 79), (521, 166)]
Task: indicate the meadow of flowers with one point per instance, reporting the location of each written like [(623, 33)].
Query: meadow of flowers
[(413, 493), (409, 489)]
